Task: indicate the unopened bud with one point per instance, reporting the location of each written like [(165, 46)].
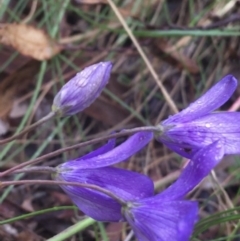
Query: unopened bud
[(82, 90)]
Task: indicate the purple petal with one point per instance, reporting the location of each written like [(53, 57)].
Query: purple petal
[(156, 220), (210, 101), (184, 150), (187, 138), (221, 125), (197, 169), (125, 184), (120, 153), (101, 150), (81, 91)]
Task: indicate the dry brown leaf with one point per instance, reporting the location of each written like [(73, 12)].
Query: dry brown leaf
[(223, 7), (127, 10), (18, 110), (27, 235), (163, 50), (107, 112), (15, 83), (4, 127), (29, 41), (114, 231), (7, 233), (27, 205), (220, 9)]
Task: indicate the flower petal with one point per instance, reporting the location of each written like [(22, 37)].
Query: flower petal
[(221, 125), (125, 184), (210, 101), (120, 153), (101, 150), (187, 138), (182, 149), (198, 168), (156, 220)]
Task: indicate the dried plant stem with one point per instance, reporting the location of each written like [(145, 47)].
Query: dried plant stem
[(144, 57), (126, 132), (29, 128), (227, 198), (50, 182), (32, 11), (37, 169), (87, 35)]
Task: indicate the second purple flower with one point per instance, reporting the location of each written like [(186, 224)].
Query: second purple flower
[(198, 126)]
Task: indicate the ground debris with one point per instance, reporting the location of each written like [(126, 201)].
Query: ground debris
[(29, 41)]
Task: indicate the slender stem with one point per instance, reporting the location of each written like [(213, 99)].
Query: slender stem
[(37, 169), (29, 128), (86, 143), (36, 213), (50, 182)]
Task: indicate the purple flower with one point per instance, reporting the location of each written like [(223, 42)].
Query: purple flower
[(93, 169), (82, 90), (198, 126), (156, 220), (167, 216)]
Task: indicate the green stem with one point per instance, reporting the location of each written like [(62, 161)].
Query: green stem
[(74, 229), (32, 214)]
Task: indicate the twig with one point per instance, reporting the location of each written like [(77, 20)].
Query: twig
[(32, 11), (86, 143), (227, 198), (29, 128), (144, 57), (233, 18), (37, 169), (50, 182)]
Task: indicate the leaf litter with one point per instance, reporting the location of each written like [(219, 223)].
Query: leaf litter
[(188, 60)]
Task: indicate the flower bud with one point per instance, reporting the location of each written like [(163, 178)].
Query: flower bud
[(81, 91)]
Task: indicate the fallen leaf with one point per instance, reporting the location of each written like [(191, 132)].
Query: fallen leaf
[(4, 236), (223, 7), (10, 229), (60, 198), (12, 85), (174, 57), (27, 205), (27, 235), (4, 127), (127, 10), (114, 231), (18, 110), (108, 113), (220, 9), (29, 41)]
